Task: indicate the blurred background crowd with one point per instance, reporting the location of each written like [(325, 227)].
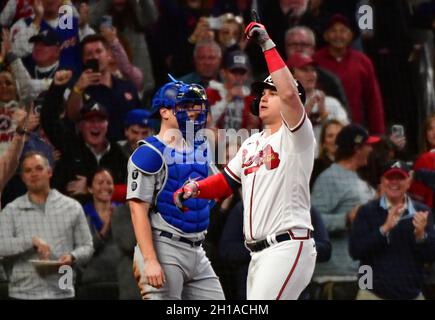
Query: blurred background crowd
[(70, 134)]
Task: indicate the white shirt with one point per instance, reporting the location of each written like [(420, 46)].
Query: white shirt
[(274, 172)]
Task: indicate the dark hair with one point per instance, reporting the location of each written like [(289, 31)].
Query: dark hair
[(126, 18), (326, 125), (93, 38), (380, 155), (92, 175)]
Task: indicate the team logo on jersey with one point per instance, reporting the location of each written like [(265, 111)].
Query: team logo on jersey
[(135, 174), (267, 157), (133, 186)]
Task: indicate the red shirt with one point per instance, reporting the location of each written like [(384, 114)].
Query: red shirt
[(358, 77), (420, 191)]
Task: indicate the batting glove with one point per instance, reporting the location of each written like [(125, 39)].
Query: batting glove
[(190, 189), (258, 33)]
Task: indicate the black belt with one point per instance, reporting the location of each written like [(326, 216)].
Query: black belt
[(263, 244), (181, 239)]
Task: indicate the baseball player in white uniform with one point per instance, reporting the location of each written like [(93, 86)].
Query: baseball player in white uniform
[(273, 168)]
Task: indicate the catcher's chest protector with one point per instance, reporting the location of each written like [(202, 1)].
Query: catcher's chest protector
[(179, 170)]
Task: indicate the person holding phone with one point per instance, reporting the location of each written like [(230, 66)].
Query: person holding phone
[(96, 81), (398, 137), (395, 236), (130, 18), (121, 64)]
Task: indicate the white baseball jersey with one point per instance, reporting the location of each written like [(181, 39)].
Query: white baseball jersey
[(274, 172)]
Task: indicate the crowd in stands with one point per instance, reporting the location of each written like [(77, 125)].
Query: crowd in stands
[(75, 102)]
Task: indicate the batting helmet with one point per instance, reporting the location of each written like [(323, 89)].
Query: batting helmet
[(258, 87)]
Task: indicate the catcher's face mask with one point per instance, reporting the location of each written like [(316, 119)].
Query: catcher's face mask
[(191, 110)]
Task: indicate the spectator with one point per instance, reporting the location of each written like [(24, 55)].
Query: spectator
[(9, 159), (35, 72), (81, 153), (229, 99), (204, 31), (425, 176), (34, 142), (130, 18), (84, 27), (138, 126), (185, 24), (394, 235), (337, 193), (318, 106), (207, 59), (46, 17), (117, 95), (8, 106), (45, 225), (230, 34), (327, 148), (15, 10), (99, 280), (425, 161), (122, 66), (8, 165), (302, 40), (383, 152), (356, 73)]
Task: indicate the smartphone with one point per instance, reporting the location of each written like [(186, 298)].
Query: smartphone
[(37, 104), (106, 21), (398, 130), (91, 64), (214, 23)]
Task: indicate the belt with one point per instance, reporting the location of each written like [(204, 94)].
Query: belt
[(259, 245), (181, 239)]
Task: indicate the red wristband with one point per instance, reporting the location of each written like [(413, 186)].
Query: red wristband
[(214, 187), (274, 60)]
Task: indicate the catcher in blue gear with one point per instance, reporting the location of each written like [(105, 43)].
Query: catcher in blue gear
[(169, 261)]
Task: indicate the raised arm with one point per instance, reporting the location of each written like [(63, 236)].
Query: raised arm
[(292, 109), (10, 159)]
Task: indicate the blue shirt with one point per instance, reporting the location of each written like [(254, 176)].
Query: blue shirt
[(70, 57), (397, 260)]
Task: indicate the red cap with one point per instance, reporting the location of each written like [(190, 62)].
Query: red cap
[(373, 140), (396, 167), (298, 60), (338, 18)]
